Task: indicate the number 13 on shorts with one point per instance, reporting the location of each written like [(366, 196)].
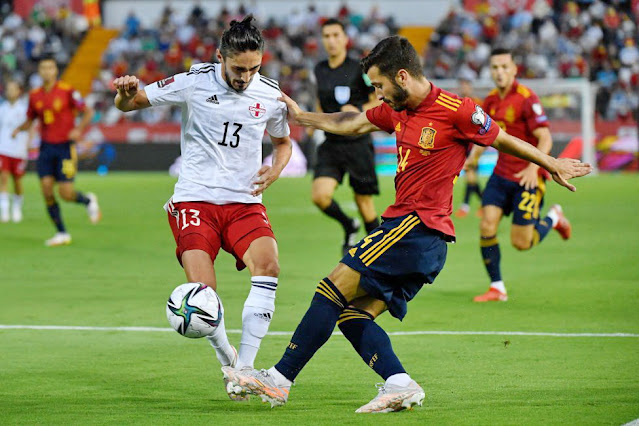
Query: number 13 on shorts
[(188, 217)]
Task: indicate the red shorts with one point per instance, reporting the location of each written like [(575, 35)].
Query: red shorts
[(15, 166), (197, 225)]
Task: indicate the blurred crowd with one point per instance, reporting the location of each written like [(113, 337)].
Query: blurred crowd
[(293, 47), (56, 32), (594, 39)]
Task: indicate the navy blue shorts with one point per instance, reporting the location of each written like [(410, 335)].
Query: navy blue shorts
[(58, 160), (396, 259), (514, 198)]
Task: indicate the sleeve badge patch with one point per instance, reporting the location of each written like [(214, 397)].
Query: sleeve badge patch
[(166, 82)]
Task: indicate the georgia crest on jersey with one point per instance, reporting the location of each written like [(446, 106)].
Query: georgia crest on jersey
[(222, 131)]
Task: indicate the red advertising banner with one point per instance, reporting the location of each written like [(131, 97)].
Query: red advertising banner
[(139, 133), (24, 7)]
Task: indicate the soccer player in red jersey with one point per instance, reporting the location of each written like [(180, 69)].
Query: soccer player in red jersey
[(56, 105), (435, 130), (516, 186)]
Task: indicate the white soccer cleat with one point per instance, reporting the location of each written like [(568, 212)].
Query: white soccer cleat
[(93, 208), (59, 239), (4, 217), (16, 214), (234, 397), (394, 398), (251, 381)]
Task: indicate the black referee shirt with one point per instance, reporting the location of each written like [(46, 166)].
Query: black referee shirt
[(339, 86)]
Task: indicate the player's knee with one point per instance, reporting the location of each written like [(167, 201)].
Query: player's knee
[(321, 199), (66, 195), (521, 243), (488, 227), (269, 267)]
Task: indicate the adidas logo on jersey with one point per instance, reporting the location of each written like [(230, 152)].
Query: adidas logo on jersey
[(213, 100), (265, 316)]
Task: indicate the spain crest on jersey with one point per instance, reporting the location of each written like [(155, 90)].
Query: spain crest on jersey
[(427, 138)]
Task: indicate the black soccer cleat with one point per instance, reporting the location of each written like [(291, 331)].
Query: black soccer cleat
[(350, 236)]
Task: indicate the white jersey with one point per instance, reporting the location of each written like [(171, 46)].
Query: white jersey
[(222, 131), (11, 116)]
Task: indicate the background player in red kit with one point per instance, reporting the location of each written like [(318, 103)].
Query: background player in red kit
[(434, 131), (516, 185), (55, 105)]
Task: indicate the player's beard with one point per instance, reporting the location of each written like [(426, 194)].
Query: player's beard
[(230, 81), (397, 99)]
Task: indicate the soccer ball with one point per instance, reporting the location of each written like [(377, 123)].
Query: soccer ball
[(194, 310)]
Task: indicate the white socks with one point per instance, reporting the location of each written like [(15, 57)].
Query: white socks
[(17, 201), (279, 378), (552, 215), (401, 379), (256, 317), (16, 208), (498, 285), (4, 206), (220, 342)]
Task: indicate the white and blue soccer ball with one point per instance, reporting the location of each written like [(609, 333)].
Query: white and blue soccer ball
[(194, 310)]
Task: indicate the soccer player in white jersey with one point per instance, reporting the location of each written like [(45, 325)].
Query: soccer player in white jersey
[(217, 200), (13, 152)]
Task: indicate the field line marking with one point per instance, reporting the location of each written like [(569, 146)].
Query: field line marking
[(635, 422), (289, 333)]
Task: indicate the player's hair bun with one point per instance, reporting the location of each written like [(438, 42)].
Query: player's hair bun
[(240, 37), (244, 23)]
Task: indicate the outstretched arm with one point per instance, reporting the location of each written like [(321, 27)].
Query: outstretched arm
[(341, 123), (129, 96), (528, 176), (561, 169)]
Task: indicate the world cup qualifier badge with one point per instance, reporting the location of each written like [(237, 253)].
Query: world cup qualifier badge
[(480, 118), (166, 82), (257, 110)]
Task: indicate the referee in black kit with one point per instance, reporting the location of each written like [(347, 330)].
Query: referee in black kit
[(341, 87)]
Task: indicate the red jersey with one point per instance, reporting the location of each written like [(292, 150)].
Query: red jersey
[(432, 144), (519, 114), (56, 110)]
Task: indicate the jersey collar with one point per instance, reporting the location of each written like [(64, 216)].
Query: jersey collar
[(430, 99), (513, 88)]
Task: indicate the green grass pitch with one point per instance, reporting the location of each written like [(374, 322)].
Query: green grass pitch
[(121, 272)]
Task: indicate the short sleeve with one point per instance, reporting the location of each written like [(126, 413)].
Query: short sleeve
[(381, 117), (534, 113), (76, 100), (277, 125), (173, 90), (474, 124), (31, 112)]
